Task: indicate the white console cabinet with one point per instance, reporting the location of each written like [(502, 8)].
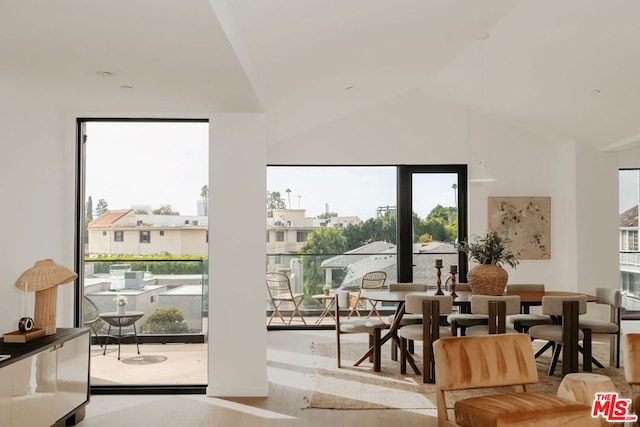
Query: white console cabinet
[(45, 382)]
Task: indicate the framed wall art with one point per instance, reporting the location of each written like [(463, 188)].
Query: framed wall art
[(525, 222)]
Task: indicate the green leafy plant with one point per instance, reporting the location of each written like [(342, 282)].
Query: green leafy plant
[(489, 249), (166, 321)]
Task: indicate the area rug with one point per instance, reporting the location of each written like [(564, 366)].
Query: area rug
[(360, 388)]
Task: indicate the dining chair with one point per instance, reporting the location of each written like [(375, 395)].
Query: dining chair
[(279, 289), (613, 298), (461, 321), (496, 315), (373, 327), (430, 307), (90, 316), (407, 318), (554, 334), (524, 320), (372, 280)]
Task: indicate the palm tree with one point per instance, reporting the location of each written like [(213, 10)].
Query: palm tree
[(289, 197)]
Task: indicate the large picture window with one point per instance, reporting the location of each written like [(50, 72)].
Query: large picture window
[(347, 220)]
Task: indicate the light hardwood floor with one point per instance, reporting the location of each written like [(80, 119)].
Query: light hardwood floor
[(290, 368)]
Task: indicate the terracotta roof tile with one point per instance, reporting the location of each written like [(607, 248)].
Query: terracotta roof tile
[(108, 218)]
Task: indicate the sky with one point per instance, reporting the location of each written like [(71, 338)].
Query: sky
[(134, 163), (355, 191), (157, 163), (628, 189)]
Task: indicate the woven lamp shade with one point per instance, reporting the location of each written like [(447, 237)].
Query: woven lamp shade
[(44, 278)]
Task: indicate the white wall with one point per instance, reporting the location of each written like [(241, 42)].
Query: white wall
[(37, 192), (237, 329)]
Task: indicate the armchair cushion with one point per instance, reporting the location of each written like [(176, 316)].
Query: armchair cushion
[(521, 409)]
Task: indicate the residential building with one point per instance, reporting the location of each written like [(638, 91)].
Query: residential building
[(123, 232), (288, 229)]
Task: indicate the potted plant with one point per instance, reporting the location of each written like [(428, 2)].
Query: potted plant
[(490, 252), (326, 288), (121, 303)]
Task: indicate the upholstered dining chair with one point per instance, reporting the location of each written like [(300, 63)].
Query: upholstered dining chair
[(613, 298), (523, 321), (482, 304), (461, 321), (407, 318), (279, 289), (430, 307), (90, 316), (372, 280), (553, 334), (370, 326)]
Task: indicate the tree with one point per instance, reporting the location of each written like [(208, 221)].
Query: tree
[(327, 241), (327, 215), (89, 210), (204, 193), (382, 228), (274, 201), (88, 217), (165, 210), (102, 207)]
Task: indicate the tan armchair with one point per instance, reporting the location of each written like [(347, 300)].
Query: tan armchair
[(475, 362)]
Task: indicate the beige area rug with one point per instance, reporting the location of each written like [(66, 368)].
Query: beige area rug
[(360, 388)]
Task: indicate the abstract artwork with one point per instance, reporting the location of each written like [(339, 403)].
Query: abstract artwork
[(525, 222)]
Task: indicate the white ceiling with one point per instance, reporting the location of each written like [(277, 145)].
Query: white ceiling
[(295, 59)]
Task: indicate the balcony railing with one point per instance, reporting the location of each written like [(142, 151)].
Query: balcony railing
[(172, 294), (309, 273)]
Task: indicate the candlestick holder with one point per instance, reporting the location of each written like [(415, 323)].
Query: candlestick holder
[(439, 281), (453, 285)]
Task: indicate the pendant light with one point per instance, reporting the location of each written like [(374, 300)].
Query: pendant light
[(478, 171)]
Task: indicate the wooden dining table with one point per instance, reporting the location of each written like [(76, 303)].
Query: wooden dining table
[(463, 301)]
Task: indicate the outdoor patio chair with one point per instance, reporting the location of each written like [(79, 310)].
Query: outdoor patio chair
[(373, 280), (279, 288), (90, 316)]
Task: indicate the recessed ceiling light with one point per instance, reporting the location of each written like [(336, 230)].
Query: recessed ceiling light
[(104, 73), (126, 87)]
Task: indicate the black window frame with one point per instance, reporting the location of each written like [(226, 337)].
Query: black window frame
[(404, 240)]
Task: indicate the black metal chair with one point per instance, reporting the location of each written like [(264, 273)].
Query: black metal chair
[(90, 316)]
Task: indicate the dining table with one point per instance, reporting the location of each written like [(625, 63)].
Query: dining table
[(462, 299)]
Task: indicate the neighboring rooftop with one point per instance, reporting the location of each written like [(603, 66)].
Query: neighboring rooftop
[(629, 218)]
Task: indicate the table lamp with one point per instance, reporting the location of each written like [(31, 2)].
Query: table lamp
[(43, 279)]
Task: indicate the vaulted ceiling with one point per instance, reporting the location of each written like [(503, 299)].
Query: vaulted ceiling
[(569, 68)]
